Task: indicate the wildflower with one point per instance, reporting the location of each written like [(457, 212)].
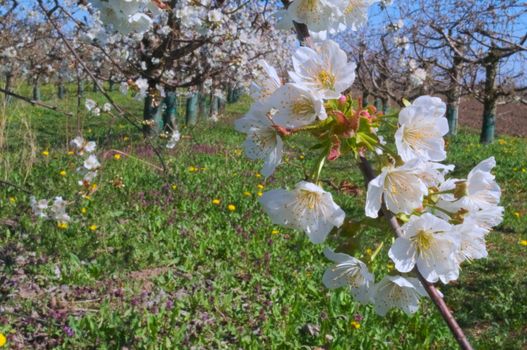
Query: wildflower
[(192, 169), (502, 142), (45, 153), (348, 272), (3, 340), (117, 156), (258, 175), (247, 194), (428, 242), (523, 242), (63, 173), (91, 163), (517, 214), (216, 201), (92, 227), (275, 232), (308, 207), (174, 187), (398, 292), (70, 153), (355, 324), (324, 70), (231, 207), (259, 194), (62, 225), (12, 200), (84, 211), (421, 131), (260, 186)]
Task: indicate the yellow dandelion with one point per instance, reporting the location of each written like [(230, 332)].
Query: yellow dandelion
[(524, 170), (84, 211), (355, 324), (258, 175), (247, 194), (12, 200), (502, 142), (231, 207), (117, 156), (63, 173), (260, 186), (369, 251), (3, 340), (259, 194), (238, 152), (126, 138), (523, 242), (70, 153), (92, 227), (174, 187), (62, 225), (301, 157), (94, 187), (517, 214), (192, 169), (275, 232), (216, 201), (87, 196), (45, 153)]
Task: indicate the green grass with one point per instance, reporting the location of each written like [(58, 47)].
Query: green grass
[(166, 268)]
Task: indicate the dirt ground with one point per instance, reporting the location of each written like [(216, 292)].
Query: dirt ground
[(511, 119)]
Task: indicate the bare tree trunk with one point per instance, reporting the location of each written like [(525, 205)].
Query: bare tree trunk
[(490, 103)]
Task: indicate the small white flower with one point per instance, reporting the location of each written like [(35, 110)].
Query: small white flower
[(39, 207), (107, 107), (417, 77), (428, 243), (265, 83), (421, 131), (142, 85), (308, 207), (123, 88), (263, 142), (58, 210), (354, 14), (81, 145), (472, 242), (215, 16), (91, 163), (318, 15), (174, 139), (398, 292), (295, 106), (486, 218), (90, 105), (348, 272), (401, 187), (88, 178), (324, 70)]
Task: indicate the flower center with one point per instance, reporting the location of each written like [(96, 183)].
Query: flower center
[(302, 107), (308, 6), (416, 137), (423, 240), (308, 199), (326, 79)]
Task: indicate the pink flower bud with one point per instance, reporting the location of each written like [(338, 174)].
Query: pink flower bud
[(342, 99)]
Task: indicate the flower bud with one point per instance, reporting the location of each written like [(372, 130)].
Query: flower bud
[(342, 99), (460, 190)]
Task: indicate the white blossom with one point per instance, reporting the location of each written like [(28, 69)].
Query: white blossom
[(58, 210), (174, 139), (429, 243), (81, 145), (265, 83), (39, 207), (401, 187), (472, 242), (348, 272), (263, 141), (398, 292), (307, 207), (91, 163), (324, 69), (421, 130)]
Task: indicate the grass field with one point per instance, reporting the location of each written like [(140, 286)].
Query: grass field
[(155, 264)]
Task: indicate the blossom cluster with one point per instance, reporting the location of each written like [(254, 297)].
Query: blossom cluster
[(445, 220)]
